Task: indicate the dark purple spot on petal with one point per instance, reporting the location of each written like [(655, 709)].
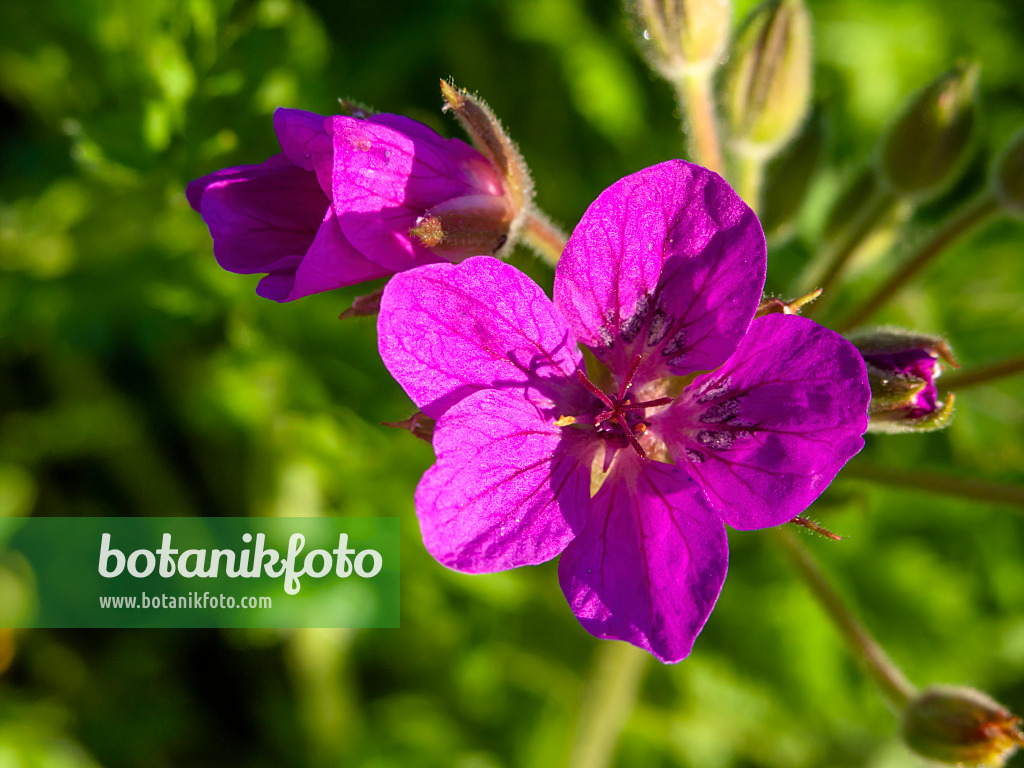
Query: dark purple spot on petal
[(714, 389), (716, 441), (695, 456), (631, 327), (676, 344), (721, 412), (660, 323)]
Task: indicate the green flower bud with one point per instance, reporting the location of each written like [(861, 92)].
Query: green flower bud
[(768, 83), (925, 149), (902, 368), (681, 34), (1008, 176), (960, 726), (788, 177)]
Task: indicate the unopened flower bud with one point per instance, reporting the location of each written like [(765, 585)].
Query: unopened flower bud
[(463, 222), (788, 177), (768, 85), (418, 424), (961, 726), (777, 306), (926, 147), (682, 34), (902, 368), (1008, 176)]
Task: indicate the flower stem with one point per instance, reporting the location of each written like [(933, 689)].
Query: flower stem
[(966, 219), (751, 179), (546, 239), (696, 99), (936, 482), (960, 380), (608, 702), (845, 245), (890, 680)]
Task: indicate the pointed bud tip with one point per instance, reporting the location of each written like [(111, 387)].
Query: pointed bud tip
[(768, 83), (961, 726), (924, 151)]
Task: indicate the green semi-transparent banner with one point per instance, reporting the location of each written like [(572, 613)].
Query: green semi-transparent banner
[(199, 572)]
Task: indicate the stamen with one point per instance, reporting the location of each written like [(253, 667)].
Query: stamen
[(648, 404), (593, 389), (634, 442), (629, 376), (617, 409)]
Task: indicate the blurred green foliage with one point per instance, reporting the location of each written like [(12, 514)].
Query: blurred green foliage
[(137, 378)]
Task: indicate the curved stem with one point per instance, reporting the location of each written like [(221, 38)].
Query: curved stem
[(697, 103), (750, 180), (937, 482), (966, 219), (608, 702), (894, 685), (546, 239), (849, 240), (960, 380)]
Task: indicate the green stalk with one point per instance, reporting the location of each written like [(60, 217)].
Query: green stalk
[(936, 482), (751, 179), (847, 243), (891, 681), (960, 380), (695, 95), (540, 234), (974, 214), (608, 703)]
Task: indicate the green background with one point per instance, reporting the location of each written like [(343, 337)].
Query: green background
[(138, 379)]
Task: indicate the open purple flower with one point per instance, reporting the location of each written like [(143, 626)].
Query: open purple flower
[(337, 205), (660, 280)]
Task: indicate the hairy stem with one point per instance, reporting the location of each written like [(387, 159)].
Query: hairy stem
[(969, 217), (697, 103), (546, 239), (608, 702), (960, 380), (845, 245), (937, 482), (750, 179), (890, 680)]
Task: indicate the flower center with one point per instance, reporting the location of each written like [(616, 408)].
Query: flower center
[(618, 409)]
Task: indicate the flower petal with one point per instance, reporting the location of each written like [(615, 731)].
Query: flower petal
[(509, 487), (331, 262), (650, 561), (767, 432), (668, 263), (448, 330), (261, 217), (385, 179), (304, 140)]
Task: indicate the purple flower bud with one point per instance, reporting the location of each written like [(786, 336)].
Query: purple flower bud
[(351, 199), (961, 726), (902, 369)]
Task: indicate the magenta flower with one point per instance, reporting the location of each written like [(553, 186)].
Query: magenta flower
[(902, 369), (661, 279), (336, 207)]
